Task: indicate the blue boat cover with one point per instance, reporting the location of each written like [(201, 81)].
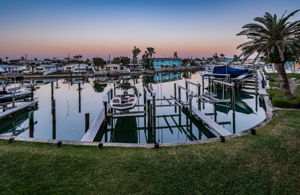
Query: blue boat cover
[(233, 72)]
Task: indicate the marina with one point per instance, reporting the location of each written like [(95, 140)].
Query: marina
[(167, 111)]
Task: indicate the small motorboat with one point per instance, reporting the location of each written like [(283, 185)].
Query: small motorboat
[(126, 100)]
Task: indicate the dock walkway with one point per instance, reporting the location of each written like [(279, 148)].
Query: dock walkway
[(218, 128), (91, 133)]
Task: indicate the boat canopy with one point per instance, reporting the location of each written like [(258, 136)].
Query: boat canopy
[(233, 72)]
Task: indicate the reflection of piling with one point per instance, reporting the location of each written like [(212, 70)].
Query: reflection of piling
[(87, 121)]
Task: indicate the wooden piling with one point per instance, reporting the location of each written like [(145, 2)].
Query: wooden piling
[(31, 124), (87, 121)]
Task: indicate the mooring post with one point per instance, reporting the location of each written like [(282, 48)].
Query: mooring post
[(209, 85), (199, 94), (202, 84), (31, 124), (233, 98), (153, 111), (190, 103), (14, 99), (105, 108), (149, 114), (175, 95), (114, 89), (179, 94), (52, 91), (87, 121), (187, 92), (53, 119)]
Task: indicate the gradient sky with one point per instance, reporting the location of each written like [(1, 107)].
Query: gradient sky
[(54, 28)]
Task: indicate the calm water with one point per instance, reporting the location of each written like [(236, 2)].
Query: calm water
[(74, 98)]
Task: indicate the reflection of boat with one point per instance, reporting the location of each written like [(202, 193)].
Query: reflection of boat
[(125, 130), (126, 100), (8, 96), (227, 71)]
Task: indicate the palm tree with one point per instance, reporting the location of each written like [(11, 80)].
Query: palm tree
[(175, 54), (151, 51), (78, 59), (6, 59), (135, 52), (275, 38), (32, 65), (222, 56)]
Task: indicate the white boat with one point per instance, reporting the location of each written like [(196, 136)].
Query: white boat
[(126, 100)]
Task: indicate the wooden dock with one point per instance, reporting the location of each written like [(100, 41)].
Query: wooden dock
[(215, 126), (17, 108), (91, 133)]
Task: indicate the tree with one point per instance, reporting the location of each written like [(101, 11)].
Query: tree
[(6, 59), (277, 39), (215, 57), (151, 51), (32, 66), (146, 60), (222, 56), (99, 62), (125, 61), (135, 52), (235, 58)]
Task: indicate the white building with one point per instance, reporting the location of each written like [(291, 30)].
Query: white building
[(79, 68), (116, 68), (10, 68)]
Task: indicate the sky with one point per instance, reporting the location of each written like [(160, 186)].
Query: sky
[(97, 28)]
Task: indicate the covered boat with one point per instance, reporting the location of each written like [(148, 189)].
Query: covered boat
[(126, 100), (227, 71)]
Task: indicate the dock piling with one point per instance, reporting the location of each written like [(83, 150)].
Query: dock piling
[(87, 121)]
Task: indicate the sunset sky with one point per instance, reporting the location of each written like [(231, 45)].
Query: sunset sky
[(54, 28)]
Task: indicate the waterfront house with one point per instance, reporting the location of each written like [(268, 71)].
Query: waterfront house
[(159, 63), (10, 68), (116, 68), (77, 68)]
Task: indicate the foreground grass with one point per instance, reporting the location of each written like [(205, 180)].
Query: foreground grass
[(276, 95), (266, 163)]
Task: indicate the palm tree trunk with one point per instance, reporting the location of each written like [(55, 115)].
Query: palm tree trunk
[(284, 82)]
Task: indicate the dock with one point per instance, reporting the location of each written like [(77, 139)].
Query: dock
[(18, 108), (207, 120), (91, 133)]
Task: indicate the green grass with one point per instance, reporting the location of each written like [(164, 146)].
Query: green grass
[(276, 95), (267, 163)]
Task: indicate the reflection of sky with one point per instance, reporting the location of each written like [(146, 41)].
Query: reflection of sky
[(95, 28), (70, 123)]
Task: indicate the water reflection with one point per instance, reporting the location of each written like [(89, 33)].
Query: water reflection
[(63, 104)]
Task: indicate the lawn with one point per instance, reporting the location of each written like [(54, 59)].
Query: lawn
[(276, 95), (268, 163)]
